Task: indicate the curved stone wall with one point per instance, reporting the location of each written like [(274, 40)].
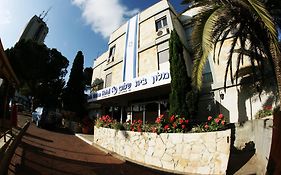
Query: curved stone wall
[(202, 153)]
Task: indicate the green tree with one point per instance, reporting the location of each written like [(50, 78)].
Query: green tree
[(250, 26), (88, 72), (74, 98), (41, 71), (180, 82)]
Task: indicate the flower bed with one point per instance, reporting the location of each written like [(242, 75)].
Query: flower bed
[(203, 153)]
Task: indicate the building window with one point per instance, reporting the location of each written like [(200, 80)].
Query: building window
[(163, 60), (108, 79), (111, 54), (161, 23)]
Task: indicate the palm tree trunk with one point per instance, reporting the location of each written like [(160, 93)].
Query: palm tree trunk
[(274, 163)]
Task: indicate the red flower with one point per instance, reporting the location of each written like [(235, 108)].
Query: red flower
[(210, 118), (206, 126), (223, 122), (186, 121), (220, 116), (268, 107), (172, 118), (181, 121), (166, 127), (217, 120), (183, 126), (159, 119), (174, 125), (140, 121)]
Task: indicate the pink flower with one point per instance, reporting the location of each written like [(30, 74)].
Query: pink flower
[(186, 121), (223, 122), (206, 126), (217, 120), (220, 116), (183, 126), (172, 118), (209, 118)]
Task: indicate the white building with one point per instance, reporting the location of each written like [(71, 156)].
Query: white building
[(132, 78)]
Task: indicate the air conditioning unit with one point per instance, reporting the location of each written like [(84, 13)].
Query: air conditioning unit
[(162, 32)]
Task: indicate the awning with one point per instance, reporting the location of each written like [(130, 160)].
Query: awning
[(6, 70)]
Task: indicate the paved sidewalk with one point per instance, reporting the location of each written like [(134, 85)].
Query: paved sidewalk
[(60, 153)]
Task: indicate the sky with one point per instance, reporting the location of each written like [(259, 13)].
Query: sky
[(73, 24)]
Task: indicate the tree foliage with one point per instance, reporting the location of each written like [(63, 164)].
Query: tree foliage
[(88, 72), (74, 98), (180, 82), (40, 70), (250, 26)]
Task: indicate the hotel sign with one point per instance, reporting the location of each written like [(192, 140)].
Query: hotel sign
[(140, 83)]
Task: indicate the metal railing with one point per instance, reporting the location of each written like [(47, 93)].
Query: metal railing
[(5, 135), (6, 159)]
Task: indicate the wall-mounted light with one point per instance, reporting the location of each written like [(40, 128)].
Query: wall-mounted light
[(222, 96)]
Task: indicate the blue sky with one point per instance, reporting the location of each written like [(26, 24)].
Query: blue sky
[(73, 24)]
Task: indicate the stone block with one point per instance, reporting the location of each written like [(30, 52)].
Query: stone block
[(167, 157), (168, 165), (176, 138), (169, 144), (204, 170), (198, 148), (170, 151), (181, 165), (190, 138), (150, 151)]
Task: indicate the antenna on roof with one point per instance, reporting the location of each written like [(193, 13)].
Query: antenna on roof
[(44, 15), (41, 14)]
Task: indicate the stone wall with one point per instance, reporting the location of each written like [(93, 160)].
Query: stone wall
[(258, 132), (202, 153)]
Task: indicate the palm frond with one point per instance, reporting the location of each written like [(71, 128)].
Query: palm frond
[(204, 43)]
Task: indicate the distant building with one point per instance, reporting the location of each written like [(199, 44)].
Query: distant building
[(36, 29)]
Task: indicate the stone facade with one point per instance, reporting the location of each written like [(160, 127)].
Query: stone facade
[(202, 153)]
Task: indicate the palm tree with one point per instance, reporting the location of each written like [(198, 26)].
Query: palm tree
[(250, 26)]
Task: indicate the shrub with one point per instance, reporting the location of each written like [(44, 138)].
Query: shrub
[(175, 123), (104, 121), (266, 111), (212, 124)]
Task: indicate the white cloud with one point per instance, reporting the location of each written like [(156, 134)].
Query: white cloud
[(104, 16), (5, 17)]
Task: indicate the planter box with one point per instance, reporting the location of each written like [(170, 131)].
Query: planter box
[(202, 153)]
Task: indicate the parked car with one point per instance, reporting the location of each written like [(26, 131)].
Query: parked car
[(47, 118)]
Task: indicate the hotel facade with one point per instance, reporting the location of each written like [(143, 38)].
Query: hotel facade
[(132, 78)]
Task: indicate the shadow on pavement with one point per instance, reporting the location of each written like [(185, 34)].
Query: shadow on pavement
[(60, 154)]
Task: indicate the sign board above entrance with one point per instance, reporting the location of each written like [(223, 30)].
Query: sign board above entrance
[(140, 83)]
